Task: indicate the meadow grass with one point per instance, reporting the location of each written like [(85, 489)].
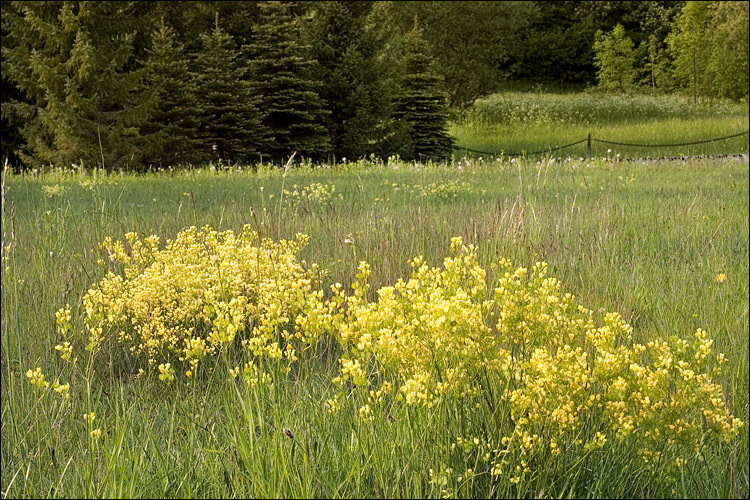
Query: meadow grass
[(514, 122), (645, 240)]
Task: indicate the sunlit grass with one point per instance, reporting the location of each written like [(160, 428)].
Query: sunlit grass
[(513, 123), (647, 241)]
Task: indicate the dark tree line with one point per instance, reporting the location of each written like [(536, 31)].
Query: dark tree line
[(153, 84), (135, 85)]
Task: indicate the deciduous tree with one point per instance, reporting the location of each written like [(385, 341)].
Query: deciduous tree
[(614, 59), (690, 47), (730, 49)]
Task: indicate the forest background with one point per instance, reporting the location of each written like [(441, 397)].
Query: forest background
[(145, 85)]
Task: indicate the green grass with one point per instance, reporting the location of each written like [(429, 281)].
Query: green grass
[(644, 240), (515, 122)]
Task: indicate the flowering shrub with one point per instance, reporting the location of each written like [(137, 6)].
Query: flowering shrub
[(550, 380), (429, 330), (532, 352), (193, 297)]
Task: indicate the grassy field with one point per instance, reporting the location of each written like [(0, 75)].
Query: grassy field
[(514, 122), (650, 241)]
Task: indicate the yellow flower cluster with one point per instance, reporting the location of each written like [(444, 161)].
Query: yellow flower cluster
[(315, 193), (525, 346), (166, 373), (446, 190), (523, 349), (62, 389), (66, 350), (53, 190), (430, 330), (251, 374), (36, 378), (197, 295), (62, 319)]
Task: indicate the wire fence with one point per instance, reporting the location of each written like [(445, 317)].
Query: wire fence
[(589, 140), (672, 144)]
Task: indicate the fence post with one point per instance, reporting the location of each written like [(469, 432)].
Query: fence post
[(588, 147)]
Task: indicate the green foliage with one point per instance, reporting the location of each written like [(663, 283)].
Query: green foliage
[(421, 105), (514, 122), (689, 45), (730, 49), (230, 123), (656, 68), (171, 130), (281, 74), (709, 44), (614, 58), (75, 62), (475, 43), (103, 84), (593, 109), (556, 47), (355, 76)]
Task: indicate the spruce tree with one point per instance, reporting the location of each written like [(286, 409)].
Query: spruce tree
[(171, 131), (280, 71), (355, 76), (230, 127), (74, 61), (421, 105)]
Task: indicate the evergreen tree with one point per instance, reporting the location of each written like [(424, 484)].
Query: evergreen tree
[(171, 132), (356, 78), (421, 106), (73, 60), (690, 47), (230, 127), (13, 101), (613, 56), (281, 77)]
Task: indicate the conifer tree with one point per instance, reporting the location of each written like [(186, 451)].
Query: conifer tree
[(171, 132), (280, 71), (355, 76), (230, 127), (421, 105), (74, 61)]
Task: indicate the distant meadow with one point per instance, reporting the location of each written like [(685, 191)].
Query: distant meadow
[(518, 122)]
